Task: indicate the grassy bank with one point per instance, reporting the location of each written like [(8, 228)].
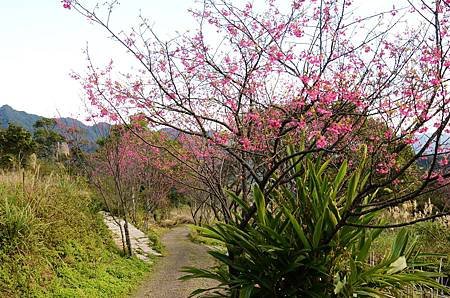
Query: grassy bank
[(54, 243)]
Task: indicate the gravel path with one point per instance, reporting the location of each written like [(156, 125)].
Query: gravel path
[(180, 251)]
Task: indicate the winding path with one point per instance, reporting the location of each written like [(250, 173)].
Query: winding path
[(180, 251)]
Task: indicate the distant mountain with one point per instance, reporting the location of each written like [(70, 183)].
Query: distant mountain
[(9, 115), (26, 120), (170, 132)]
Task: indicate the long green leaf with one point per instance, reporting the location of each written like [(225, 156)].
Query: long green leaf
[(298, 229), (318, 229), (246, 292), (340, 176), (238, 200), (260, 204), (364, 250), (323, 168), (351, 190)]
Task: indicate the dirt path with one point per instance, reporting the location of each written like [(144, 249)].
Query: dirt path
[(180, 251)]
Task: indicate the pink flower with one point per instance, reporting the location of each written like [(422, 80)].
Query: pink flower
[(324, 111), (443, 162), (423, 129), (296, 30), (252, 117), (275, 123), (435, 81), (245, 143), (220, 139), (232, 104), (321, 142), (103, 112), (67, 4), (410, 141), (113, 117), (382, 169), (232, 30)]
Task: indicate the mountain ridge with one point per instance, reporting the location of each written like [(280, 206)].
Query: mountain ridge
[(90, 132)]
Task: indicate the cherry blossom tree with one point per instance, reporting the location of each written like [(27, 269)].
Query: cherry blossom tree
[(252, 80), (113, 167), (132, 176)]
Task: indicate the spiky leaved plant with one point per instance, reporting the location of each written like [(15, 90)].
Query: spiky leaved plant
[(297, 246)]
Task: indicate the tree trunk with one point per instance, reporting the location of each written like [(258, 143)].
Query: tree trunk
[(122, 236), (127, 237)]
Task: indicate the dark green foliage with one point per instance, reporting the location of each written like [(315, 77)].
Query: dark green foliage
[(434, 238), (16, 143), (17, 226), (46, 138), (294, 246), (7, 160), (177, 198)]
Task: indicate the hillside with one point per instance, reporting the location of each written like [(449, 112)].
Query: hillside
[(9, 115), (53, 242), (26, 120)]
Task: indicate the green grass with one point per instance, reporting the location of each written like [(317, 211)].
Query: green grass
[(154, 235), (196, 237), (53, 242)]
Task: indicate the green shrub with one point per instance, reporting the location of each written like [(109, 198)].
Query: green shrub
[(294, 247), (432, 236), (195, 236)]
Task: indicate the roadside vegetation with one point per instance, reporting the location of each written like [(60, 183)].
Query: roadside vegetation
[(295, 247), (54, 243)]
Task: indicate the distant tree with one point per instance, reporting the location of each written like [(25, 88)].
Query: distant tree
[(16, 144), (46, 138)]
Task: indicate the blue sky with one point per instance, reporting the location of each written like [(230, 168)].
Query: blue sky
[(41, 43)]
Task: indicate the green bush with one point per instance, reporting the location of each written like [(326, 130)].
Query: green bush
[(434, 238), (295, 248)]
